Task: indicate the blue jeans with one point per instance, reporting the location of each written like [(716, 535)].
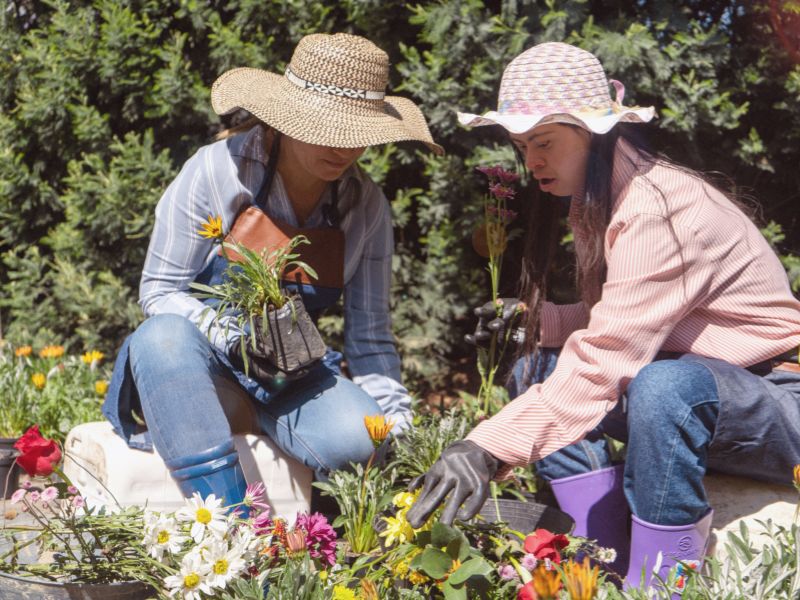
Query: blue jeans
[(666, 418), (187, 396)]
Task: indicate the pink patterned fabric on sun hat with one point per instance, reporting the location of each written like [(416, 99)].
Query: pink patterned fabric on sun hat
[(558, 83)]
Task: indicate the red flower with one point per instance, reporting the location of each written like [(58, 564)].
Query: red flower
[(38, 455), (527, 592), (545, 544)]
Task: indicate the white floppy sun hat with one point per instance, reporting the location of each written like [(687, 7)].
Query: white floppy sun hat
[(558, 83), (333, 93)]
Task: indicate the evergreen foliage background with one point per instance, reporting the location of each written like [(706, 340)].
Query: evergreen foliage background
[(101, 101)]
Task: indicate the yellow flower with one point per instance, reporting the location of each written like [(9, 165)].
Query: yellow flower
[(378, 428), (94, 356), (400, 570), (38, 380), (405, 500), (546, 582), (417, 578), (101, 387), (51, 352), (212, 228), (341, 592), (23, 351), (797, 477), (398, 530), (581, 580)]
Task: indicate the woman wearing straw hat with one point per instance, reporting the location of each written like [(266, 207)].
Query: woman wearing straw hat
[(677, 347), (296, 163)]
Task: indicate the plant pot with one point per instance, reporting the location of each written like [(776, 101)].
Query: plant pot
[(525, 517), (9, 470), (290, 339), (24, 588)]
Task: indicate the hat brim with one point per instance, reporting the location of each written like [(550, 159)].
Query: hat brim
[(519, 123), (317, 118)]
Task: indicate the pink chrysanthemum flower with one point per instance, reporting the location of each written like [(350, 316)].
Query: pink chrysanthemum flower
[(320, 536)]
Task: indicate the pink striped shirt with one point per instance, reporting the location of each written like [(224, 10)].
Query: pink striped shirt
[(720, 291)]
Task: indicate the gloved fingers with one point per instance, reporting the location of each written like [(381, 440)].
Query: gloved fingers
[(416, 482), (496, 325), (433, 492), (486, 311), (473, 504), (510, 310), (453, 503)]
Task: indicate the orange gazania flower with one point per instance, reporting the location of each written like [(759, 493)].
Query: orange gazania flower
[(546, 582), (51, 352), (39, 380), (581, 580), (212, 228), (378, 428), (295, 542), (93, 356), (23, 351), (368, 590)]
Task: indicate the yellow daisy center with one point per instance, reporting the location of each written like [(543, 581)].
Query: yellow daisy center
[(221, 567), (191, 580), (163, 537), (203, 516)]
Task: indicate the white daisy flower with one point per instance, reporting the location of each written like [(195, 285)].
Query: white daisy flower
[(161, 534), (191, 580), (205, 516), (222, 562)]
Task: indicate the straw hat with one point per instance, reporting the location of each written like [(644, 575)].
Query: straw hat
[(332, 94), (558, 83)]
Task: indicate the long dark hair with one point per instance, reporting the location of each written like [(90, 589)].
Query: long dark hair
[(597, 202)]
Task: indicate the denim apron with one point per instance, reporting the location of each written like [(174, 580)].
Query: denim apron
[(255, 228)]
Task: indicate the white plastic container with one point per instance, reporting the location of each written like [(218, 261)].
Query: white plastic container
[(104, 468)]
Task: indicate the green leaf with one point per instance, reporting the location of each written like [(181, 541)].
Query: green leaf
[(474, 567), (433, 562)]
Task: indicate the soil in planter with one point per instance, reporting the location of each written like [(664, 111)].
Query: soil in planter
[(291, 340)]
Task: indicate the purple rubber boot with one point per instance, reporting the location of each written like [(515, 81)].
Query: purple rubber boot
[(684, 544), (595, 500)]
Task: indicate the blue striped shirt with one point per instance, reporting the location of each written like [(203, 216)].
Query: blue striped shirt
[(221, 179)]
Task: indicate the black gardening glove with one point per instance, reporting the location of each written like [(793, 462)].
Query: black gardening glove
[(489, 322), (259, 367), (463, 470)]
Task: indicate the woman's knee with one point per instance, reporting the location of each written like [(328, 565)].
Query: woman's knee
[(666, 390), (167, 339)]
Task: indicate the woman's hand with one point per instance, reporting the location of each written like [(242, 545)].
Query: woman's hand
[(489, 322), (463, 471)]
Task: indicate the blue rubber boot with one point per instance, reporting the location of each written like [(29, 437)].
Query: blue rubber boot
[(214, 471)]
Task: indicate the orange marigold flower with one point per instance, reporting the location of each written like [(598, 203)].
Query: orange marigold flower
[(378, 428), (212, 228), (23, 351), (39, 380), (101, 387), (51, 352), (93, 356), (581, 580)]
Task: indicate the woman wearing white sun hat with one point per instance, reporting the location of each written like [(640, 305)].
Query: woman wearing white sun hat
[(295, 162), (678, 346)]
